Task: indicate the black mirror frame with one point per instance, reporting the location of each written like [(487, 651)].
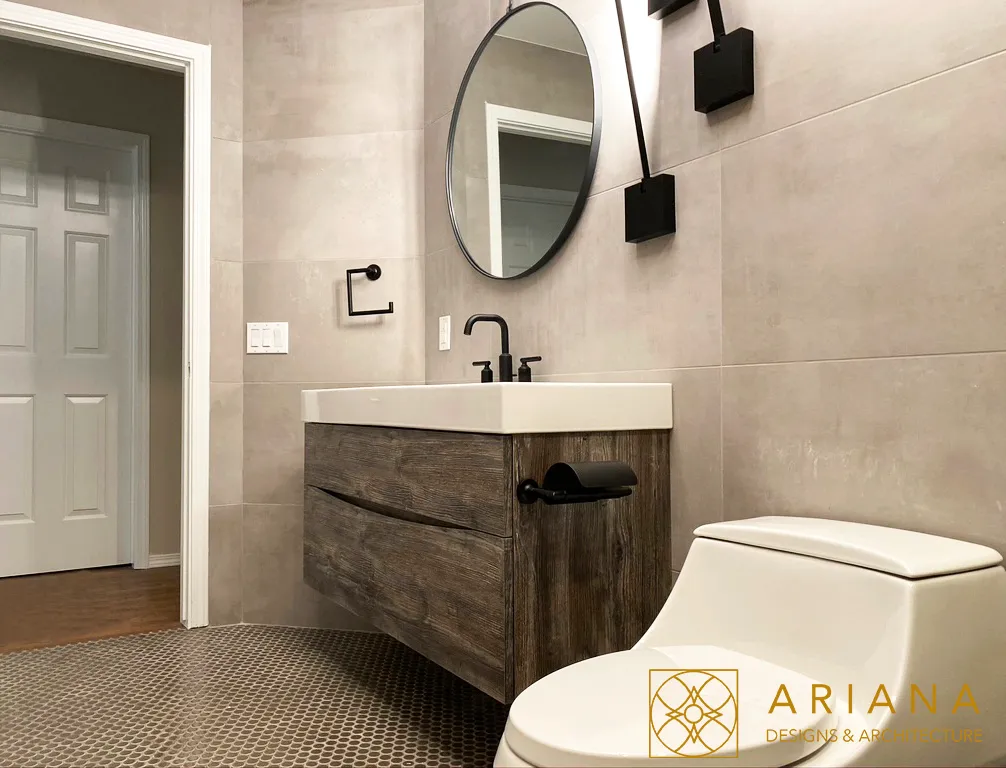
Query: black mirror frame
[(595, 145)]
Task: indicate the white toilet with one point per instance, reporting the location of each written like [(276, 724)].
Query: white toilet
[(816, 606)]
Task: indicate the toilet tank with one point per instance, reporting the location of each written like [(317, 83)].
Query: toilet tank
[(849, 604)]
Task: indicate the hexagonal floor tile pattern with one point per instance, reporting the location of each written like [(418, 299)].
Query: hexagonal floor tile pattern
[(240, 696)]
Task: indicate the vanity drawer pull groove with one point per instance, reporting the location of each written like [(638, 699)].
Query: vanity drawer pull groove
[(390, 512), (456, 478)]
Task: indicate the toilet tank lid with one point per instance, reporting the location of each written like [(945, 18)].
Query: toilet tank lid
[(909, 554)]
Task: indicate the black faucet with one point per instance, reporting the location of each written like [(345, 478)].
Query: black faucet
[(506, 361)]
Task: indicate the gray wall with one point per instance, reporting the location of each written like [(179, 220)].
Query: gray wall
[(333, 180), (832, 311), (81, 89)]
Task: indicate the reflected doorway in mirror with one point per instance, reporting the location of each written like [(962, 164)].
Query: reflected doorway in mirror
[(535, 163)]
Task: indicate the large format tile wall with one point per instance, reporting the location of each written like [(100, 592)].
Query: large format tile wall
[(832, 311), (219, 24), (333, 180)]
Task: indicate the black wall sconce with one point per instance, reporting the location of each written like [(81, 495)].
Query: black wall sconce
[(661, 8), (649, 205), (724, 69)]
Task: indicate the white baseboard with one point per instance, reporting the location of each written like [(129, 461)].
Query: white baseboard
[(163, 561)]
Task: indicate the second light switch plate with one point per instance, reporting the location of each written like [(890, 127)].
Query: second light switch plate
[(268, 338)]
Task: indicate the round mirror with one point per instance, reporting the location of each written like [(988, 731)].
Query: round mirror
[(523, 142)]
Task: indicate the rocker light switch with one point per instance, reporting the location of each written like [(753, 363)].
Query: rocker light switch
[(268, 339)]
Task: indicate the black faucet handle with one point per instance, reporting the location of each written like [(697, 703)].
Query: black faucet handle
[(524, 372), (487, 371)]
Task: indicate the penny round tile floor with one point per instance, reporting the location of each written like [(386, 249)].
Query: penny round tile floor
[(240, 696)]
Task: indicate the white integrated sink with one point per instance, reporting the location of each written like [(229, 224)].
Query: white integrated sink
[(498, 408)]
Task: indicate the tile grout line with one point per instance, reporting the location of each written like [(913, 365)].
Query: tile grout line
[(393, 132)]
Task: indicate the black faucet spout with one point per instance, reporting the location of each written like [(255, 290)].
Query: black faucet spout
[(506, 360), (504, 329)]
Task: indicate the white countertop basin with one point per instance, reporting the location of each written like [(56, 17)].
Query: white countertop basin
[(506, 409)]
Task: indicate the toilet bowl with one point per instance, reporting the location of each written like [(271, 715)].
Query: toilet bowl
[(792, 641)]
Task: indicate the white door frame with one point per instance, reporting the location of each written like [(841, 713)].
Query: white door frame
[(60, 30), (138, 147), (523, 122)]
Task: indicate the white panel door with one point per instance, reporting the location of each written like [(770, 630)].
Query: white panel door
[(67, 213)]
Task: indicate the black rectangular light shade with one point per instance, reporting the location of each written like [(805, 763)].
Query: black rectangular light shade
[(661, 8), (649, 209), (725, 75)]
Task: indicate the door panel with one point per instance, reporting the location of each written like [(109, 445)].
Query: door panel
[(17, 288), (86, 465), (86, 281), (67, 260), (17, 425)]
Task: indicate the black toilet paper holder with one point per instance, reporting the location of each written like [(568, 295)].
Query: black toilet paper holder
[(579, 483)]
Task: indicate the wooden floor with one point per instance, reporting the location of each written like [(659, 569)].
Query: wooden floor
[(71, 607)]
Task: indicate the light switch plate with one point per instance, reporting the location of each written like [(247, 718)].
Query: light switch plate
[(268, 338), (445, 333)]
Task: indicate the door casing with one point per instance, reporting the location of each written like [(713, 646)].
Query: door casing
[(60, 30)]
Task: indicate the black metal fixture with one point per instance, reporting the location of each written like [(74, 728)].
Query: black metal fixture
[(661, 8), (506, 360), (649, 205), (524, 372), (487, 370), (724, 69), (580, 483), (373, 272)]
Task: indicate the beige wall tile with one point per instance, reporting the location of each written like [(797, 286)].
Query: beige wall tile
[(335, 5), (453, 287), (696, 457), (325, 343), (696, 447), (873, 231), (337, 197), (225, 565), (226, 443), (185, 19), (323, 69), (227, 203), (454, 29), (812, 58), (498, 8), (273, 571), (274, 443), (916, 443), (227, 346), (439, 234), (602, 304), (227, 39)]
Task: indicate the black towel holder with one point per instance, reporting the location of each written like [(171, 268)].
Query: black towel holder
[(373, 272), (580, 483)]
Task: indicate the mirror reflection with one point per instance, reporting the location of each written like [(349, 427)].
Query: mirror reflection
[(523, 142)]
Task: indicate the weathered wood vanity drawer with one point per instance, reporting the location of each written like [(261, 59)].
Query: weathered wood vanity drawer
[(459, 479), (443, 591)]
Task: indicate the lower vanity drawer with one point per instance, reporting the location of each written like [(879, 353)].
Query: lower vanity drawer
[(442, 591)]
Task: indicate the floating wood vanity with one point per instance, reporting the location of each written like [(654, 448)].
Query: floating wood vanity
[(420, 531)]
